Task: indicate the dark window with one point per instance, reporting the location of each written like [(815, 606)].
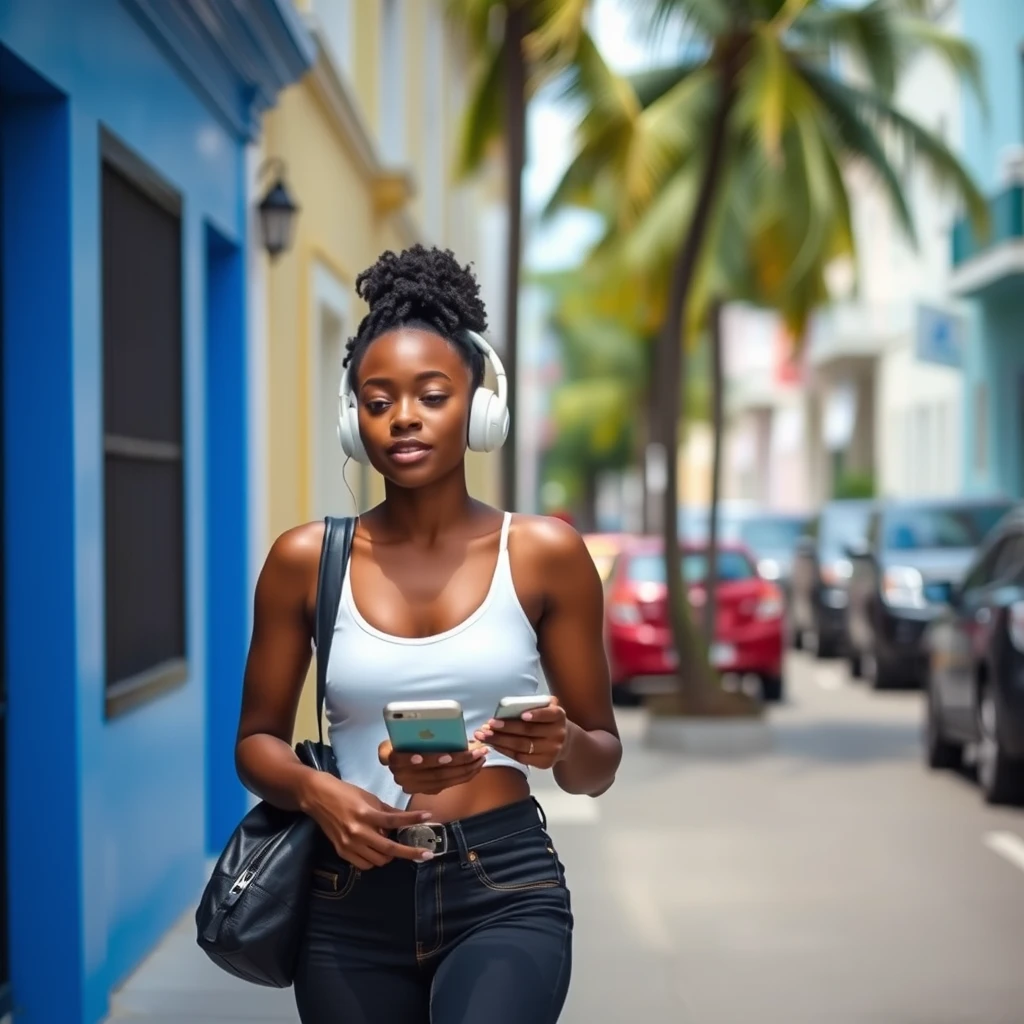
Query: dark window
[(912, 529), (142, 434)]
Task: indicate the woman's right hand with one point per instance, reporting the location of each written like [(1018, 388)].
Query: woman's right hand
[(356, 823)]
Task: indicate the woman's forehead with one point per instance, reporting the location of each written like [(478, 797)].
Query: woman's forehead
[(408, 351)]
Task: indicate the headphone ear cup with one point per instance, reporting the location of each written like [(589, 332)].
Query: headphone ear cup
[(348, 434), (488, 421)]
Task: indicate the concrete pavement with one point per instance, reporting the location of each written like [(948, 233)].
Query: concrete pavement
[(831, 881)]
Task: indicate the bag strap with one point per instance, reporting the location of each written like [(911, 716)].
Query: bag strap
[(334, 557)]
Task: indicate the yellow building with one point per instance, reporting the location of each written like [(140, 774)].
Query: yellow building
[(367, 143)]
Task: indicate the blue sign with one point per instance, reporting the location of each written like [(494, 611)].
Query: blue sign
[(939, 337)]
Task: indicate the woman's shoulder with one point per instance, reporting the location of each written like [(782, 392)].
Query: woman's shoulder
[(549, 542), (297, 551)]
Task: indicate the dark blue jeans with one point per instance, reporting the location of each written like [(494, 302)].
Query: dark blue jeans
[(480, 933)]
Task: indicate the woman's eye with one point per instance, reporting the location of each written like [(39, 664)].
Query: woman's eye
[(437, 398), (376, 406)]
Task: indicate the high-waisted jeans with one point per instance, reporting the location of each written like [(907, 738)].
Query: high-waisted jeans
[(482, 932)]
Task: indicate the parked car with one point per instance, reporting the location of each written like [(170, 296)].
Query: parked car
[(975, 679), (902, 575), (816, 608), (604, 548), (748, 627)]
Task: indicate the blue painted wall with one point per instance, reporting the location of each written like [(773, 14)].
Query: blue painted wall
[(995, 337), (108, 819), (996, 28)]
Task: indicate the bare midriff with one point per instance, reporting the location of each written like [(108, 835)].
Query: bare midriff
[(492, 788)]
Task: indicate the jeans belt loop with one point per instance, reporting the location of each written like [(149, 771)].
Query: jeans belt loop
[(460, 842), (540, 813)]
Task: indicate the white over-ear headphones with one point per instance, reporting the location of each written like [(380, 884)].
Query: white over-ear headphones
[(488, 415)]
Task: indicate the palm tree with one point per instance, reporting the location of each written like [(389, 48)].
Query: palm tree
[(519, 44), (755, 123)]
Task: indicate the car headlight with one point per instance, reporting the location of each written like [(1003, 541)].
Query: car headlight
[(903, 587), (769, 569)]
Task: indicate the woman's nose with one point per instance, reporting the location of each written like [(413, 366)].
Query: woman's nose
[(405, 416)]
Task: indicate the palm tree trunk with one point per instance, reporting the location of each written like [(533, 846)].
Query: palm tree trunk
[(694, 672), (515, 154), (711, 584)]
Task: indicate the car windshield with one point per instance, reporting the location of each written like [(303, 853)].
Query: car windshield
[(842, 525), (950, 526), (732, 565), (772, 534)]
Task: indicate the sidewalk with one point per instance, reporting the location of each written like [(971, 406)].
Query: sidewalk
[(178, 984)]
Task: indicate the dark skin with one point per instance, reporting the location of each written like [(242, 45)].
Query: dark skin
[(422, 562)]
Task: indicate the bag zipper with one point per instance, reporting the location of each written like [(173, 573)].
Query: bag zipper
[(243, 881)]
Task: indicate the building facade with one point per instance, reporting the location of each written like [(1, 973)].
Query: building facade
[(367, 141), (124, 223), (989, 272)]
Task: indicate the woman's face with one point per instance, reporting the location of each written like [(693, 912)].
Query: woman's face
[(413, 396)]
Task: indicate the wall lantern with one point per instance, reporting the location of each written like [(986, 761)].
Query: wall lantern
[(277, 211)]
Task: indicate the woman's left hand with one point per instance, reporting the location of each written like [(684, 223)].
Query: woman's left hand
[(538, 738)]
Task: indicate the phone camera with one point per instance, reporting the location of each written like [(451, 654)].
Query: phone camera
[(399, 714)]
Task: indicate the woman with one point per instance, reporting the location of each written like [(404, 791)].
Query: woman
[(444, 597)]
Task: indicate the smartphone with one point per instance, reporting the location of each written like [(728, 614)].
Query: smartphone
[(513, 707), (426, 726)]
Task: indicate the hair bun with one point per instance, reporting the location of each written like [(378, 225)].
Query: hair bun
[(422, 284)]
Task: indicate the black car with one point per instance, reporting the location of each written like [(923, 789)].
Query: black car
[(914, 553), (821, 569), (975, 681)]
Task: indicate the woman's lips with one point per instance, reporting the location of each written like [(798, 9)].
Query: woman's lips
[(408, 454)]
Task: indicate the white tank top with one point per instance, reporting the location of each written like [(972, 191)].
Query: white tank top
[(490, 655)]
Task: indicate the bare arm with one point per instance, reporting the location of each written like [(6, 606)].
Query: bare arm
[(570, 639), (277, 664)]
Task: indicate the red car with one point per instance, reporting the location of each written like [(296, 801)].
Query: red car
[(748, 627)]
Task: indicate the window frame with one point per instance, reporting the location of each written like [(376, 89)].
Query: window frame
[(151, 683)]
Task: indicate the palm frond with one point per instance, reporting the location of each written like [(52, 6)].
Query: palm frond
[(911, 143), (483, 121), (859, 140), (959, 55), (867, 33), (652, 84), (476, 18), (708, 17), (557, 29)]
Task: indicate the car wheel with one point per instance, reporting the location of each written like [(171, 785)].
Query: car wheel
[(939, 751), (623, 695), (856, 665), (879, 674), (1001, 777), (772, 688), (796, 637)]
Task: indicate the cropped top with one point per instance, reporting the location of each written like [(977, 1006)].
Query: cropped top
[(489, 655)]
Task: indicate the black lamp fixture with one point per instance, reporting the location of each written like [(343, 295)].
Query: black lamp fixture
[(277, 211)]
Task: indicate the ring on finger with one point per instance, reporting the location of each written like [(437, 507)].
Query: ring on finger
[(530, 751)]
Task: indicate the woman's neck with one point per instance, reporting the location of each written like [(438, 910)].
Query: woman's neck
[(422, 514)]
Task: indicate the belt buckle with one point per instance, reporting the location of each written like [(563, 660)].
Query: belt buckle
[(428, 836)]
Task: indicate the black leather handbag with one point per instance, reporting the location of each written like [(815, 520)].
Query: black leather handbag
[(253, 911)]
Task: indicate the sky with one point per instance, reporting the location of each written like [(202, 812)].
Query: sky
[(549, 139)]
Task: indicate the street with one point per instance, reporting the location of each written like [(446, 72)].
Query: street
[(832, 881), (835, 880)]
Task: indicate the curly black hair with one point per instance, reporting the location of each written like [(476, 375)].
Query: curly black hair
[(421, 288)]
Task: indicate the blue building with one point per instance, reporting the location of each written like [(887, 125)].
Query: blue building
[(124, 127), (990, 271)]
